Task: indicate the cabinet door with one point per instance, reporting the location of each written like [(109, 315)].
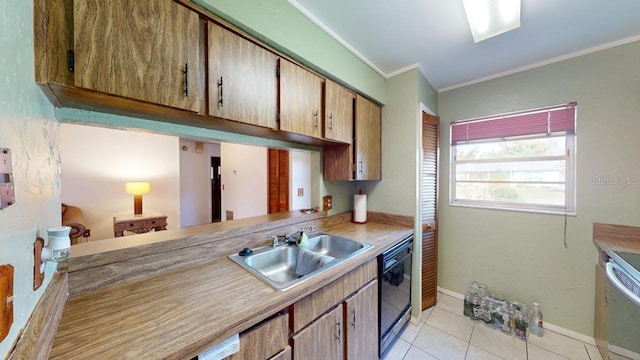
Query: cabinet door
[(322, 340), (601, 311), (361, 321), (144, 50), (264, 341), (242, 79), (300, 100), (338, 114), (368, 122)]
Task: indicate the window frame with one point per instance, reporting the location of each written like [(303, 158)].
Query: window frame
[(569, 208)]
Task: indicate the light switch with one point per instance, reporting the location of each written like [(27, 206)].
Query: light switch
[(6, 300), (7, 194), (300, 191)]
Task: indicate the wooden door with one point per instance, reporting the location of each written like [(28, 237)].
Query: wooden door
[(144, 50), (300, 100), (338, 114), (367, 141), (242, 79), (361, 321), (429, 209), (278, 178), (323, 339)]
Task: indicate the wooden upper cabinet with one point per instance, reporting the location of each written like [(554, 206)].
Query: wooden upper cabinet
[(362, 159), (242, 79), (368, 142), (338, 114), (143, 50), (300, 100)]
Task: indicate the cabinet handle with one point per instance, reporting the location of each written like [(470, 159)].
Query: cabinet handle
[(315, 115), (221, 89), (353, 320), (331, 122), (338, 332), (186, 79)]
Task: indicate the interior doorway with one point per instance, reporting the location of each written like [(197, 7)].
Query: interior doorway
[(278, 180), (216, 190)]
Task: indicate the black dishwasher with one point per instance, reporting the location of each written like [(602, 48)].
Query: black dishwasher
[(394, 289)]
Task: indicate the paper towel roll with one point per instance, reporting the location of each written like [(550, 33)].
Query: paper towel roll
[(360, 208)]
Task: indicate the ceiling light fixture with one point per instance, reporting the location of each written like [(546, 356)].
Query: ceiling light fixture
[(488, 18)]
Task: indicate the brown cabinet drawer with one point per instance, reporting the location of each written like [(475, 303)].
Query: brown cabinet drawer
[(316, 304), (283, 355), (265, 340)]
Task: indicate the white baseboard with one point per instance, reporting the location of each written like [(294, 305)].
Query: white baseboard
[(624, 352), (451, 293), (555, 328)]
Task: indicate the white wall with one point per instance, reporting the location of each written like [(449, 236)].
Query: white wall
[(300, 177), (195, 182), (244, 180), (97, 162), (28, 128)]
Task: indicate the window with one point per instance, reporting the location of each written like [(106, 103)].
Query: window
[(520, 161)]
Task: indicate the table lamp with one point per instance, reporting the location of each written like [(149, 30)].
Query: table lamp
[(137, 189)]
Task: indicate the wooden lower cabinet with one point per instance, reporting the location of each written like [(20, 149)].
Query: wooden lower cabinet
[(601, 311), (283, 355), (340, 320), (323, 339), (265, 340), (361, 322)]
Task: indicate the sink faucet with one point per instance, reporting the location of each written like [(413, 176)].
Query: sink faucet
[(289, 239)]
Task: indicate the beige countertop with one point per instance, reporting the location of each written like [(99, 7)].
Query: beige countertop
[(610, 237), (180, 313)]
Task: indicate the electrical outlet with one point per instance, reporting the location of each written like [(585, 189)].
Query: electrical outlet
[(6, 300), (327, 203), (300, 191), (38, 277), (87, 233)]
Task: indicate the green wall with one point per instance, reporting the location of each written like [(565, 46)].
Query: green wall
[(397, 192), (28, 128), (522, 255), (283, 27)]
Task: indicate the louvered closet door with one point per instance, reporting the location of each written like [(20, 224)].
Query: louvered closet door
[(278, 180), (429, 213)]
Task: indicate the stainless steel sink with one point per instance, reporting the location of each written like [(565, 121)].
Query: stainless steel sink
[(277, 265), (332, 245)]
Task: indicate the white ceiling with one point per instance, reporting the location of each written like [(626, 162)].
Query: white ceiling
[(394, 36)]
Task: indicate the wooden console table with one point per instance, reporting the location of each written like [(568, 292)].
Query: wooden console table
[(139, 224)]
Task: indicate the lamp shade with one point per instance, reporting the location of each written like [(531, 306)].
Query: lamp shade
[(137, 188)]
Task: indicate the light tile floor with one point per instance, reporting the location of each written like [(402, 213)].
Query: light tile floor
[(445, 334)]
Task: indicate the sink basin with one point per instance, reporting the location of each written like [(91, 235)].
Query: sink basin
[(332, 245), (277, 265)]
